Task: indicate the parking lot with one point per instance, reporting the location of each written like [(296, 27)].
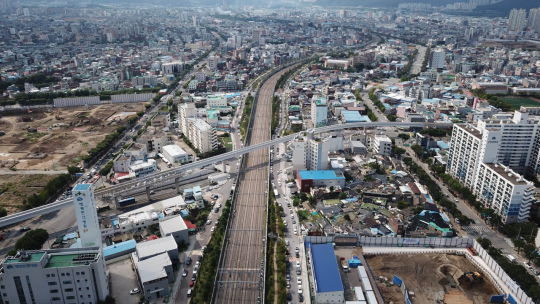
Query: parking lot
[(123, 279)]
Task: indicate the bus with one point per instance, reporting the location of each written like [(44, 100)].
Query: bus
[(126, 201)]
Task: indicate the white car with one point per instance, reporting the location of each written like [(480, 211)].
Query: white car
[(213, 229), (299, 281), (297, 263), (134, 291)]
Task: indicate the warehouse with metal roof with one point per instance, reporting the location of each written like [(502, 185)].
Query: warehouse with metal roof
[(324, 267)]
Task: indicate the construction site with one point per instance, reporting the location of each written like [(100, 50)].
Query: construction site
[(53, 138), (431, 278)]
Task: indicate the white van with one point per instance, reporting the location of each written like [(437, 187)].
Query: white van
[(189, 293)]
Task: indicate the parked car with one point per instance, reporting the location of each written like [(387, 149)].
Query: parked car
[(188, 261), (185, 273), (134, 291)]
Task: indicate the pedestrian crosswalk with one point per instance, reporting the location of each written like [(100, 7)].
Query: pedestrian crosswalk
[(476, 229)]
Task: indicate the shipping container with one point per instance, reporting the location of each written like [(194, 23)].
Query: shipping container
[(370, 297), (354, 263), (362, 273), (359, 293), (366, 284)]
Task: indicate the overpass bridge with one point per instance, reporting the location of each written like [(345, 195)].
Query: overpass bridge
[(177, 175)]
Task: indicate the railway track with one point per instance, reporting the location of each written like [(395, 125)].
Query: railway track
[(241, 276)]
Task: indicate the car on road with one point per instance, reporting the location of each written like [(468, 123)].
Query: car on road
[(184, 274), (134, 291), (299, 281), (213, 229), (216, 210), (191, 283), (534, 271), (297, 263), (300, 298), (24, 228), (208, 222), (527, 265), (296, 249), (218, 206), (472, 221), (289, 297), (195, 269), (199, 258), (188, 261), (193, 277), (203, 248)]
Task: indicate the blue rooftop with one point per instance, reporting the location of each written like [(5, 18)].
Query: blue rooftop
[(325, 268), (320, 174), (442, 145), (354, 116), (119, 247), (81, 187)]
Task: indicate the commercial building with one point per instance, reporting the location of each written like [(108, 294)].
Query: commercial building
[(212, 62), (54, 276), (326, 277), (176, 227), (320, 178), (381, 145), (146, 250), (175, 154), (85, 211), (509, 143), (155, 274), (142, 168), (153, 139), (216, 101), (319, 111)]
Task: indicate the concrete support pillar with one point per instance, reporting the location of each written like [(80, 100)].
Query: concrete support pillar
[(116, 202), (177, 184), (148, 193), (224, 168)]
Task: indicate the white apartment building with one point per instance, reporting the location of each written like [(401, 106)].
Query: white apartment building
[(382, 145), (319, 111), (311, 153), (216, 101), (436, 59), (517, 19), (57, 276), (510, 143), (185, 111), (505, 191), (212, 62), (202, 135), (192, 86), (200, 76)]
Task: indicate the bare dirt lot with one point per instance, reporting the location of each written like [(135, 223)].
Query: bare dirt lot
[(430, 277), (61, 137), (15, 188)]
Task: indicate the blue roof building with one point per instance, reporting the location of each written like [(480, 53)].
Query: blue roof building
[(326, 277)]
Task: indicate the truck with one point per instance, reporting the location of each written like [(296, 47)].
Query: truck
[(511, 258), (344, 265)]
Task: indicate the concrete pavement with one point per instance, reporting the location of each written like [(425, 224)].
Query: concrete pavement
[(417, 64)]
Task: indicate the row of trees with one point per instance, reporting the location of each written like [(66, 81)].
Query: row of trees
[(426, 60), (105, 144), (376, 100), (52, 187), (248, 105), (435, 190), (518, 273), (203, 290), (39, 80)]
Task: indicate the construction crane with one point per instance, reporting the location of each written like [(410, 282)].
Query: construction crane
[(474, 276)]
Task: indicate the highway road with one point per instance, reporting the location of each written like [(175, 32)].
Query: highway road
[(241, 276)]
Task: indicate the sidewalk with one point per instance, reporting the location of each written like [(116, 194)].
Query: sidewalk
[(176, 286)]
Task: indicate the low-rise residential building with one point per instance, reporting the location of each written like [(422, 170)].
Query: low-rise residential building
[(382, 145), (174, 154)]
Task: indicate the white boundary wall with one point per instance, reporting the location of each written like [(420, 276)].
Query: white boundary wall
[(132, 97), (76, 101)]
